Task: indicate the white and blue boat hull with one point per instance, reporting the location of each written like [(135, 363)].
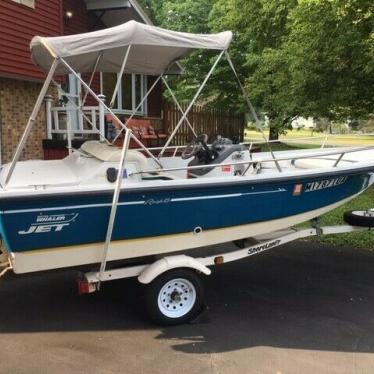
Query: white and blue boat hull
[(71, 227)]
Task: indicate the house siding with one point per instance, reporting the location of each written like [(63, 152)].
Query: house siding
[(20, 79), (17, 99), (79, 22), (18, 25)]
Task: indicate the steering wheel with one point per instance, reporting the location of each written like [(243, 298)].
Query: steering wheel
[(195, 146)]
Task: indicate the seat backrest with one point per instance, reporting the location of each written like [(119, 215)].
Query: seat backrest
[(109, 153)]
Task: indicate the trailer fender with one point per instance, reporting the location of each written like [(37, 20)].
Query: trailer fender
[(152, 271)]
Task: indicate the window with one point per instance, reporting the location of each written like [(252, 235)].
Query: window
[(29, 3), (130, 93)]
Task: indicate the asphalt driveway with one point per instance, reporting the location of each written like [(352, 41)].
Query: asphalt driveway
[(301, 308)]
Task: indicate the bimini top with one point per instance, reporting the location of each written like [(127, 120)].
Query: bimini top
[(154, 50)]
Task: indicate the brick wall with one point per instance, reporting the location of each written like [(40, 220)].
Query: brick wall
[(17, 99)]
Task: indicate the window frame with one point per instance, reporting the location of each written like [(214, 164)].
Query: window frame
[(143, 88)]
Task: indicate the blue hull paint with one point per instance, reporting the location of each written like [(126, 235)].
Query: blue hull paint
[(29, 223)]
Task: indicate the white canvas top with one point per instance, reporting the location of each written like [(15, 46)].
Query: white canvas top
[(153, 49)]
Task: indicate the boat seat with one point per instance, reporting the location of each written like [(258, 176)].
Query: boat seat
[(108, 153)]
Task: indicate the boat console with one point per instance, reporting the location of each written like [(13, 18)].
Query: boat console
[(203, 154)]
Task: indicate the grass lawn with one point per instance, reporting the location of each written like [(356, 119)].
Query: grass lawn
[(362, 239), (335, 217), (315, 138)]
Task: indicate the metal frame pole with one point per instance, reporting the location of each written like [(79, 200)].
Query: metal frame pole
[(31, 120), (178, 105), (113, 210), (252, 109), (139, 105), (102, 117), (48, 115), (69, 132), (111, 112), (91, 77), (191, 104), (120, 76)]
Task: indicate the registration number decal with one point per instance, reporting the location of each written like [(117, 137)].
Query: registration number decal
[(327, 183)]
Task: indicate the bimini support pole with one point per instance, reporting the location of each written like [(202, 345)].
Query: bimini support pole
[(31, 120), (191, 104), (113, 210), (252, 109), (138, 107), (120, 76), (111, 112), (91, 78), (178, 105)]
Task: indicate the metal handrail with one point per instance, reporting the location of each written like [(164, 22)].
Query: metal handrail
[(287, 140), (254, 161), (176, 148), (158, 148), (284, 140)]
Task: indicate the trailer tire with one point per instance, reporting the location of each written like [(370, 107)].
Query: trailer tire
[(174, 297), (360, 218)]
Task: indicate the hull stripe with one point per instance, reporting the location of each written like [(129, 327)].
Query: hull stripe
[(140, 202)]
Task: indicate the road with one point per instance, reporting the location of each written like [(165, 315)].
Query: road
[(302, 308)]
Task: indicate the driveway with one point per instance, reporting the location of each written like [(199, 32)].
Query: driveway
[(302, 308)]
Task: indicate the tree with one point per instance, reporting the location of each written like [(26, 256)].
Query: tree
[(260, 28), (196, 16), (330, 58), (297, 57), (307, 57)]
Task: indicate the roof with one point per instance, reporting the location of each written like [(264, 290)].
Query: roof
[(153, 50)]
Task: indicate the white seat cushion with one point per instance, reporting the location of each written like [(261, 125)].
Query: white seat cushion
[(108, 153)]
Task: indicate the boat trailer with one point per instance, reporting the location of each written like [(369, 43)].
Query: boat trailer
[(174, 293), (147, 273)]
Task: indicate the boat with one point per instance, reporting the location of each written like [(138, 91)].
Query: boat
[(103, 203)]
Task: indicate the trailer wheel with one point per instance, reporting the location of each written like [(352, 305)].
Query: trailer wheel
[(174, 297), (362, 218)]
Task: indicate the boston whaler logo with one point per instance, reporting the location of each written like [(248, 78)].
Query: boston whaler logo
[(49, 223), (327, 183)]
